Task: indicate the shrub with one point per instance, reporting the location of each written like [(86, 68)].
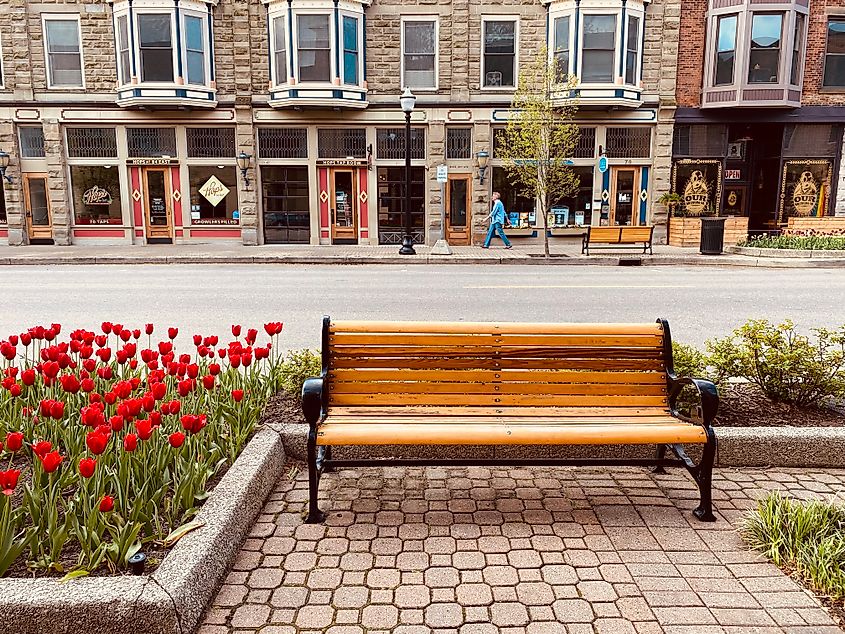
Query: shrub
[(806, 536), (787, 366), (803, 242), (689, 361), (297, 366)]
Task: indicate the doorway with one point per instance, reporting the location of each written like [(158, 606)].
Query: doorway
[(344, 206), (39, 224), (622, 197), (158, 214), (458, 210)]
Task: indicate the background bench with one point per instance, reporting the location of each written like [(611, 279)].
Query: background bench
[(617, 237), (418, 383)]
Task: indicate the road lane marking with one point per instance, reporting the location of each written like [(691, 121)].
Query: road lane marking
[(490, 286)]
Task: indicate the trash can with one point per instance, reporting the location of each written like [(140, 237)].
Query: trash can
[(712, 235)]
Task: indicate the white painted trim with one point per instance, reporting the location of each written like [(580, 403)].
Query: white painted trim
[(329, 13), (500, 18), (62, 17), (206, 47), (420, 18)]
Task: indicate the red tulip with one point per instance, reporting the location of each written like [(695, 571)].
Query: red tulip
[(14, 441), (9, 480), (251, 336), (96, 442), (235, 360), (70, 383), (148, 329), (193, 370), (125, 335), (116, 422), (165, 347), (87, 385), (110, 398), (105, 373), (13, 339), (42, 448), (158, 390), (104, 354), (208, 381), (57, 410), (28, 376), (214, 369), (106, 504), (26, 338), (176, 439), (172, 332), (106, 326), (136, 333), (15, 390), (123, 389), (237, 395), (175, 406), (130, 442), (155, 419), (144, 429), (86, 467), (148, 402), (197, 340), (92, 416), (51, 461), (236, 331)]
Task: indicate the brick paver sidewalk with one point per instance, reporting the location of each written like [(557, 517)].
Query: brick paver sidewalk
[(514, 550)]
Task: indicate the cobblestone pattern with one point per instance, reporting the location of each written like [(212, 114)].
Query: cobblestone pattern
[(534, 551)]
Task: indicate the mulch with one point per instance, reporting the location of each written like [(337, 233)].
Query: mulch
[(745, 405)]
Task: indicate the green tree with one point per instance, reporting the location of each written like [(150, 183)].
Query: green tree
[(539, 141)]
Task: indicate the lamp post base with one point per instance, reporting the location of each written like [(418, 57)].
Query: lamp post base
[(407, 246)]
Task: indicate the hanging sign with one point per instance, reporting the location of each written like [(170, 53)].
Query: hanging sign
[(603, 164), (96, 196), (214, 191)]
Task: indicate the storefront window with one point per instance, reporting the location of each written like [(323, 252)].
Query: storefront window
[(96, 195), (214, 196), (575, 211), (520, 208), (806, 189), (700, 185), (391, 200), (287, 216)]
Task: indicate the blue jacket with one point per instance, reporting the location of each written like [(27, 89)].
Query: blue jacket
[(498, 214)]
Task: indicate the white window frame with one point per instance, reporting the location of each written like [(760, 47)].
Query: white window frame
[(138, 12), (420, 18), (122, 81), (639, 58), (206, 48), (617, 13), (501, 18), (273, 18), (64, 17), (553, 18), (359, 34), (332, 40)]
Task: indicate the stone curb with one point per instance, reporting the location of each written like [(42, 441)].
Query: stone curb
[(738, 447), (823, 254), (171, 600)]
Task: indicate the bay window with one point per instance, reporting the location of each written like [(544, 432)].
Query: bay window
[(725, 50), (764, 56), (155, 45), (598, 48), (561, 46), (313, 48)]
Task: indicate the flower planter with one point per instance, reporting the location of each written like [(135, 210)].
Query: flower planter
[(686, 232), (825, 225)]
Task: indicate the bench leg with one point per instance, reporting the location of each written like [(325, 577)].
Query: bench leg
[(661, 454), (704, 479), (327, 456), (315, 516)]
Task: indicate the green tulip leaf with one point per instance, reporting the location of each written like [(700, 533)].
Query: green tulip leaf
[(74, 574), (180, 532)]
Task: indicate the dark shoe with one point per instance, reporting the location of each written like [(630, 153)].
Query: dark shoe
[(485, 247), (510, 246)]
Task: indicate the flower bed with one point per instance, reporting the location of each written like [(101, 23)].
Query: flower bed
[(809, 240), (111, 439)]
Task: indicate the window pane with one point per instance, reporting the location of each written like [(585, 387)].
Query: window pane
[(391, 201), (214, 195), (193, 33), (499, 53), (96, 195), (123, 49), (419, 38), (797, 47), (834, 65), (498, 70), (314, 65), (725, 50), (765, 48), (632, 49), (154, 35), (599, 48), (32, 141), (194, 46), (313, 31), (154, 30), (280, 52), (499, 37), (62, 36), (314, 52), (156, 65), (286, 205), (350, 50), (562, 33)]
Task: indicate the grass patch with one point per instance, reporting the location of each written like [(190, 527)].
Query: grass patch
[(807, 538)]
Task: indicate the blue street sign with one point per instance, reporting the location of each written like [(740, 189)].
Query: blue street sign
[(603, 164)]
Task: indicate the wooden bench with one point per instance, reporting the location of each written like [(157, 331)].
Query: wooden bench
[(420, 383), (616, 238)]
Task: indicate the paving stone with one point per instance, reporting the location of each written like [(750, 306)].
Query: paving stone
[(509, 614), (443, 615)]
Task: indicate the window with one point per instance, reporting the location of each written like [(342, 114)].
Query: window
[(32, 141), (342, 143), (282, 143), (286, 204), (458, 143), (280, 60), (96, 195), (520, 208), (313, 48), (834, 61), (391, 201), (123, 55), (764, 58), (499, 53), (350, 50), (628, 142), (390, 143), (419, 59), (725, 50), (64, 56), (211, 142), (156, 47), (561, 46), (586, 146), (151, 142), (797, 47), (194, 50), (598, 48), (91, 142), (214, 195), (575, 210), (631, 49)]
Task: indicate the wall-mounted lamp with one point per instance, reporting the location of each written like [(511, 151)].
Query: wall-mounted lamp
[(244, 163), (4, 163), (601, 151), (482, 157), (370, 157)]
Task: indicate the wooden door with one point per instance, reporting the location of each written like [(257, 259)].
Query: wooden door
[(624, 199), (39, 222), (458, 209), (158, 205), (344, 206)]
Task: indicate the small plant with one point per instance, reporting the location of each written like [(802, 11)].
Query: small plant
[(689, 361), (671, 200), (808, 537), (787, 366), (805, 241), (297, 366)]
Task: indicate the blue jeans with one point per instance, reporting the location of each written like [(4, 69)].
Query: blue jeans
[(496, 228)]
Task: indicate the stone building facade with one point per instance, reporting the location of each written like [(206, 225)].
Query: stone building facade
[(761, 106), (124, 121)]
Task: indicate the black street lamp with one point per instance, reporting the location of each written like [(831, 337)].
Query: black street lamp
[(407, 101)]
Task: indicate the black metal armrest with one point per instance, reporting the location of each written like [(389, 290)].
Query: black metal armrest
[(707, 392), (312, 400)]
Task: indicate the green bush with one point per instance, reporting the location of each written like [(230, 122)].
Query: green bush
[(806, 536), (803, 242), (689, 361), (297, 366), (787, 366)]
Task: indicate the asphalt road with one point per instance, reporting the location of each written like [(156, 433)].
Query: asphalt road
[(699, 302)]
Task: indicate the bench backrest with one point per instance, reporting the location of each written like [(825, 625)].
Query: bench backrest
[(509, 367), (636, 234), (603, 234)]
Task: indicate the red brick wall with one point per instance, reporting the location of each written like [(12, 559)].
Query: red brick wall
[(691, 53), (816, 43)]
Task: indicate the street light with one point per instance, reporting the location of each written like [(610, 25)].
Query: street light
[(407, 101), (244, 161), (483, 157)]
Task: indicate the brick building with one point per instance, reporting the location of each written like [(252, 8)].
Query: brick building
[(761, 107), (124, 120)]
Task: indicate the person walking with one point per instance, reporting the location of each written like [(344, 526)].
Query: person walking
[(497, 222)]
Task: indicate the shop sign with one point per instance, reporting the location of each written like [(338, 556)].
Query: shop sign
[(603, 164), (99, 221), (214, 191), (141, 162), (696, 193), (350, 162), (215, 221), (442, 173), (805, 194), (96, 196), (733, 175)]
